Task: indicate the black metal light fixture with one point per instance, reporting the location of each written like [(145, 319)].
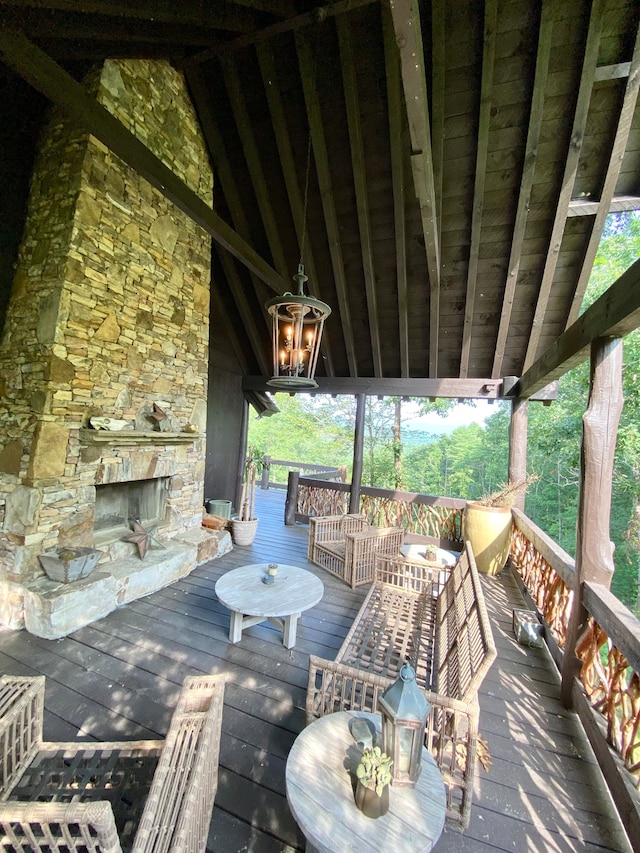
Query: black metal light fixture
[(297, 322)]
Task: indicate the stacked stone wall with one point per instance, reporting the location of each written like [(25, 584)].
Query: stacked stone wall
[(109, 314)]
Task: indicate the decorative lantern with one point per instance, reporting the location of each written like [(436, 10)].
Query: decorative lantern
[(404, 710), (297, 322)]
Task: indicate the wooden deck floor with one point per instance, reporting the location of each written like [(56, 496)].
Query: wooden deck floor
[(119, 678)]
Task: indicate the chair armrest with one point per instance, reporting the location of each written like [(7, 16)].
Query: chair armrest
[(43, 827), (21, 720), (178, 810)]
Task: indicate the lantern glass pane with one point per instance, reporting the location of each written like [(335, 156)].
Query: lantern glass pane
[(405, 748)]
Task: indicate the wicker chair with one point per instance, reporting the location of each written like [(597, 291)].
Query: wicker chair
[(346, 545), (150, 795)]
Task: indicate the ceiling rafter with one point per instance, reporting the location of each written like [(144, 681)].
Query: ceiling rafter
[(316, 16), (41, 72), (395, 106), (623, 129), (568, 179), (287, 162), (217, 152), (528, 170), (615, 314), (352, 100), (406, 23), (203, 15), (438, 30), (252, 156), (321, 157), (588, 207), (484, 120)]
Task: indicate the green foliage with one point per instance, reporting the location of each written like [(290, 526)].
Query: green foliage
[(374, 770)]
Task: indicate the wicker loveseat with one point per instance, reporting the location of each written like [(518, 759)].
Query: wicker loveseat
[(152, 795), (436, 617), (346, 545)]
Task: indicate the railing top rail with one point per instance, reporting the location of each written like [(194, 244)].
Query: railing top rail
[(307, 465), (558, 559)]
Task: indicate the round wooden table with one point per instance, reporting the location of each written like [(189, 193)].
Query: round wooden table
[(251, 601), (320, 790)]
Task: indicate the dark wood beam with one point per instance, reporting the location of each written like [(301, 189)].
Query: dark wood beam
[(614, 315), (252, 156), (356, 144), (438, 75), (480, 389), (484, 120), (526, 181), (51, 80), (287, 163), (321, 157), (623, 130), (618, 204), (395, 108), (406, 23), (316, 16), (568, 179)]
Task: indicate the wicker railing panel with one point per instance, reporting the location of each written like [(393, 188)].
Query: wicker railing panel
[(438, 522), (314, 501), (551, 595), (613, 688)]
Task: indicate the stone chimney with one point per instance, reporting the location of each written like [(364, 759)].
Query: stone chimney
[(109, 317)]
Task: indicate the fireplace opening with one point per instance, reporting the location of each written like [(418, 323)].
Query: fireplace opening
[(118, 503)]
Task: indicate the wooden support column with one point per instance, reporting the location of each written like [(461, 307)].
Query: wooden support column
[(291, 501), (518, 447), (594, 549), (358, 446)]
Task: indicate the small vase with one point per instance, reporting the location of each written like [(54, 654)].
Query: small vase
[(369, 803)]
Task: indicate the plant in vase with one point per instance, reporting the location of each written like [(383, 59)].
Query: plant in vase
[(244, 526), (487, 524), (374, 775)]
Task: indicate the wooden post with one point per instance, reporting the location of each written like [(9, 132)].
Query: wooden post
[(242, 455), (291, 502), (518, 446), (264, 482), (594, 549), (358, 445)]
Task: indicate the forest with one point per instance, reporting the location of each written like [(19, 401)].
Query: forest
[(471, 460)]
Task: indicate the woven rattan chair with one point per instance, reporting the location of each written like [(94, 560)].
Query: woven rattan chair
[(346, 545), (144, 796)]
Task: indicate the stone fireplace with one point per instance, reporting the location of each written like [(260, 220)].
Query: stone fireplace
[(108, 319)]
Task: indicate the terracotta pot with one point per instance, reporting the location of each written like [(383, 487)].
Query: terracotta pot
[(369, 803), (244, 532), (488, 529)]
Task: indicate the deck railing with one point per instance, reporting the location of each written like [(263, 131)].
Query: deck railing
[(272, 467), (608, 701)]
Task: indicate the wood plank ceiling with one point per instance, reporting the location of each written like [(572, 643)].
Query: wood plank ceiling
[(444, 168)]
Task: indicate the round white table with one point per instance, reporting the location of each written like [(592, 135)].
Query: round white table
[(251, 601), (320, 792)]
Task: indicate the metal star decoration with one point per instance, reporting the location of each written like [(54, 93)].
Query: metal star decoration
[(144, 539), (161, 416)]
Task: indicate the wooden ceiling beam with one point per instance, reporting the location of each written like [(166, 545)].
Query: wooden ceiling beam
[(438, 73), (51, 80), (484, 120), (214, 16), (615, 314), (406, 23), (457, 389), (254, 165), (287, 163), (526, 181), (394, 109), (316, 16), (321, 157), (356, 145), (217, 152), (618, 204), (623, 129), (568, 179)]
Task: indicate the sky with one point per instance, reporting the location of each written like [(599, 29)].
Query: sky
[(460, 415)]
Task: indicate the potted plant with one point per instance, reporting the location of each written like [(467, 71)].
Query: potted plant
[(244, 525), (374, 775), (487, 525)]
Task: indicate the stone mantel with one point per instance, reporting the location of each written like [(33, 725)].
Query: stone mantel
[(122, 437)]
